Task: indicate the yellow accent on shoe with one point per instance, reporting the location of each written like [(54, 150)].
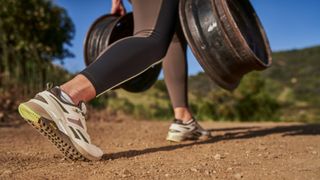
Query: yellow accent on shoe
[(28, 113)]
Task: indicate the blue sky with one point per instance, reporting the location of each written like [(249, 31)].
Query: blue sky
[(290, 24)]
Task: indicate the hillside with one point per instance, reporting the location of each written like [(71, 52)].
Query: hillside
[(288, 91), (299, 70)]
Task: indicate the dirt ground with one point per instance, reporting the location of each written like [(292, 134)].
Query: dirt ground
[(138, 150)]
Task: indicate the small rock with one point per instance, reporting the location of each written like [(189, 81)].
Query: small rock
[(236, 163), (314, 152), (262, 148), (310, 148), (126, 173), (207, 172), (217, 157), (204, 164), (167, 175), (229, 169), (194, 169), (238, 176), (6, 173)]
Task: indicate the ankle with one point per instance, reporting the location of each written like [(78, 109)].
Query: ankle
[(66, 97), (79, 89), (183, 114), (72, 93)]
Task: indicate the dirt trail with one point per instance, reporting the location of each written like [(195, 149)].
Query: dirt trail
[(137, 150)]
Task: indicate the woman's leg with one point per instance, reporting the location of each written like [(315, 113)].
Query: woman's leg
[(63, 121), (126, 58), (176, 77), (175, 69)]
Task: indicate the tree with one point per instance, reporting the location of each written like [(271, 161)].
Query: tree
[(32, 34)]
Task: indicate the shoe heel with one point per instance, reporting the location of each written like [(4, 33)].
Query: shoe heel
[(174, 138), (28, 113)]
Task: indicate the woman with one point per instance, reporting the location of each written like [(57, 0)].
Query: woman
[(59, 112)]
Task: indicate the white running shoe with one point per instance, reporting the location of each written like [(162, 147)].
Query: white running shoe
[(179, 131), (62, 123)]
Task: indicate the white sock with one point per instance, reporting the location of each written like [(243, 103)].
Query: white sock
[(66, 97)]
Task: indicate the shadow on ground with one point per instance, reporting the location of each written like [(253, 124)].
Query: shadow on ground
[(230, 134)]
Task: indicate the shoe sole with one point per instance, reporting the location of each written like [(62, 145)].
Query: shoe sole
[(49, 129), (178, 138), (175, 138)]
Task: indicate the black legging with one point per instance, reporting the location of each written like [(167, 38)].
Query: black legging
[(155, 22)]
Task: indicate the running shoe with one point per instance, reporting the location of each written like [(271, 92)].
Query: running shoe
[(191, 130), (62, 122)]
